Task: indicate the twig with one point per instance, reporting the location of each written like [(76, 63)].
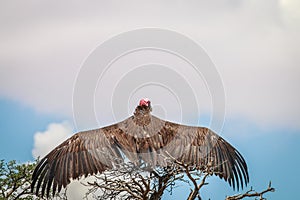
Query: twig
[(252, 193)]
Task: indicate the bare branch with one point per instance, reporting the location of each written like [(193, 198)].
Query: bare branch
[(129, 181), (252, 193)]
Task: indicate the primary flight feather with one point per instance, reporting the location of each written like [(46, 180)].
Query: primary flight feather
[(141, 137)]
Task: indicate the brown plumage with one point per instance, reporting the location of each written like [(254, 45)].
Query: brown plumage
[(141, 138)]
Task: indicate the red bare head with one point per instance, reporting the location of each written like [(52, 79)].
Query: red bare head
[(144, 102)]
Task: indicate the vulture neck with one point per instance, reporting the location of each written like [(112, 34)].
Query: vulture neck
[(142, 115)]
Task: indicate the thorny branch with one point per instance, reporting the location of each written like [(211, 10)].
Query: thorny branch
[(128, 181), (252, 193), (190, 171)]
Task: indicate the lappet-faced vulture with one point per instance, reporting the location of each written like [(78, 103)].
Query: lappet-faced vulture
[(141, 138)]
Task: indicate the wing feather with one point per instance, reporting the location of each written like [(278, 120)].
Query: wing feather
[(45, 180), (43, 172), (51, 177), (54, 188), (82, 154), (200, 146)]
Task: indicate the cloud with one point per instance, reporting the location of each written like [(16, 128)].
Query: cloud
[(45, 141), (253, 43)]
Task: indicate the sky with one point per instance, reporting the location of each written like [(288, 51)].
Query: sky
[(67, 68)]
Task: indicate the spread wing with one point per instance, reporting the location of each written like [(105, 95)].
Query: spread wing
[(84, 153), (200, 147)]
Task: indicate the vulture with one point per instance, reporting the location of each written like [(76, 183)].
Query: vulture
[(141, 137)]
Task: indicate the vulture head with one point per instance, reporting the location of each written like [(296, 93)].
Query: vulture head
[(143, 109), (145, 102)]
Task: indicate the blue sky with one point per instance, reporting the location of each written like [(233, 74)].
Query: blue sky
[(252, 45), (18, 124)]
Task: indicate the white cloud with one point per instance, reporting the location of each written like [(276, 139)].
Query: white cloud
[(45, 141), (254, 44)]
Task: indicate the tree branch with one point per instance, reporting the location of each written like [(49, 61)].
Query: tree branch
[(252, 193)]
